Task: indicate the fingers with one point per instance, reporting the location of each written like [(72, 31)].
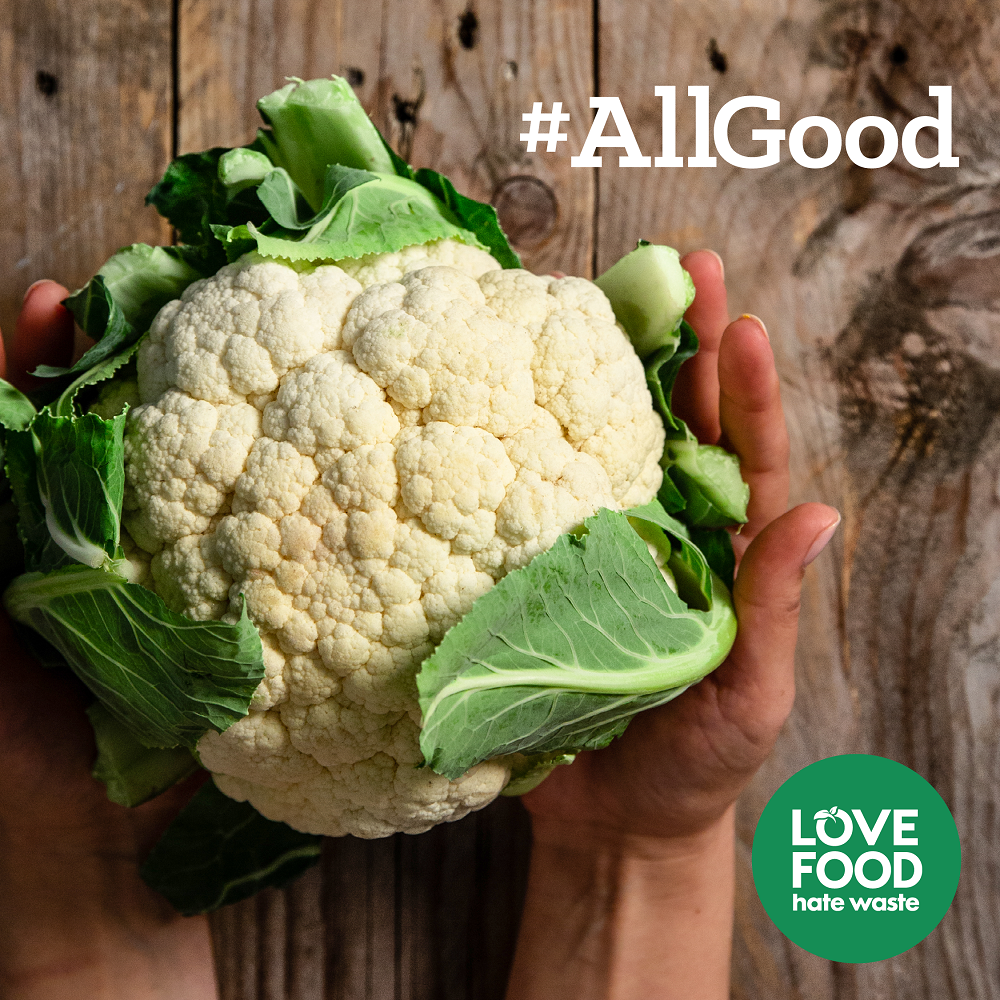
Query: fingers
[(43, 335), (758, 678), (753, 423), (696, 393)]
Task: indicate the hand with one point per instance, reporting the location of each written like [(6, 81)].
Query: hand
[(75, 918), (645, 826), (678, 768)]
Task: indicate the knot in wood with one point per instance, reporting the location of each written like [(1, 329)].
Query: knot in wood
[(527, 208)]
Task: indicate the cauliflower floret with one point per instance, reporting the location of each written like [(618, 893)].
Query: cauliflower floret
[(359, 451), (380, 268), (453, 479)]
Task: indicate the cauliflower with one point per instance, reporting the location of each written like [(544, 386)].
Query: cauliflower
[(350, 507), (362, 450)]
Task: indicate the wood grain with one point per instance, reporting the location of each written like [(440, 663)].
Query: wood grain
[(85, 125), (879, 289), (431, 916)]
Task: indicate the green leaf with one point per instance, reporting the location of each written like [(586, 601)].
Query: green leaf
[(132, 773), (683, 558), (285, 203), (669, 497), (649, 292), (242, 168), (717, 546), (103, 370), (219, 851), (478, 218), (281, 196), (117, 305), (101, 319), (16, 410), (708, 477), (167, 678), (235, 240), (661, 373), (142, 279), (192, 197), (701, 480), (560, 655), (68, 480), (315, 123), (379, 217), (528, 772), (325, 149)]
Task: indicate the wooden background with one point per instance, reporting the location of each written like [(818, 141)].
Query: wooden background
[(880, 289)]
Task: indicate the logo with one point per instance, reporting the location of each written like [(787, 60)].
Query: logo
[(864, 879)]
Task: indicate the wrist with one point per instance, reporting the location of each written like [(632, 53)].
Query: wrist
[(591, 841), (623, 916), (91, 929)]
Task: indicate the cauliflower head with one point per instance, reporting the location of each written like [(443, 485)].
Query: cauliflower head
[(362, 449)]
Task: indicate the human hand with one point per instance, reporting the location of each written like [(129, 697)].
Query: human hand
[(75, 918), (679, 767), (630, 892)]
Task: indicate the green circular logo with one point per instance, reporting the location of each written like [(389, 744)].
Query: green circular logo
[(856, 858)]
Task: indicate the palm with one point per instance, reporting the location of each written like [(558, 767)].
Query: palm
[(47, 797), (49, 803), (680, 766), (68, 856)]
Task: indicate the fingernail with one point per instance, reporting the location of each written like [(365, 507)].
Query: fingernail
[(34, 284), (820, 542), (722, 267), (758, 321)]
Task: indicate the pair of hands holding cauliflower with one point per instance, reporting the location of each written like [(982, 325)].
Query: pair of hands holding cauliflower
[(664, 788)]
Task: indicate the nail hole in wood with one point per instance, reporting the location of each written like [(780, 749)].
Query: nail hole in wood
[(468, 30), (527, 209), (355, 76), (405, 111), (717, 59), (898, 55), (46, 83)]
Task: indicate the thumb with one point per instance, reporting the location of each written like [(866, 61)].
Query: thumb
[(761, 665), (43, 335)]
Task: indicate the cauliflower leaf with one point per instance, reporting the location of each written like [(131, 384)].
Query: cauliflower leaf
[(219, 851), (560, 655), (364, 213), (131, 772), (116, 306), (164, 676), (68, 479)]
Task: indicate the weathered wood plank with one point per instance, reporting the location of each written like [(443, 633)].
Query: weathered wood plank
[(85, 123), (879, 292), (453, 82), (436, 915)]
